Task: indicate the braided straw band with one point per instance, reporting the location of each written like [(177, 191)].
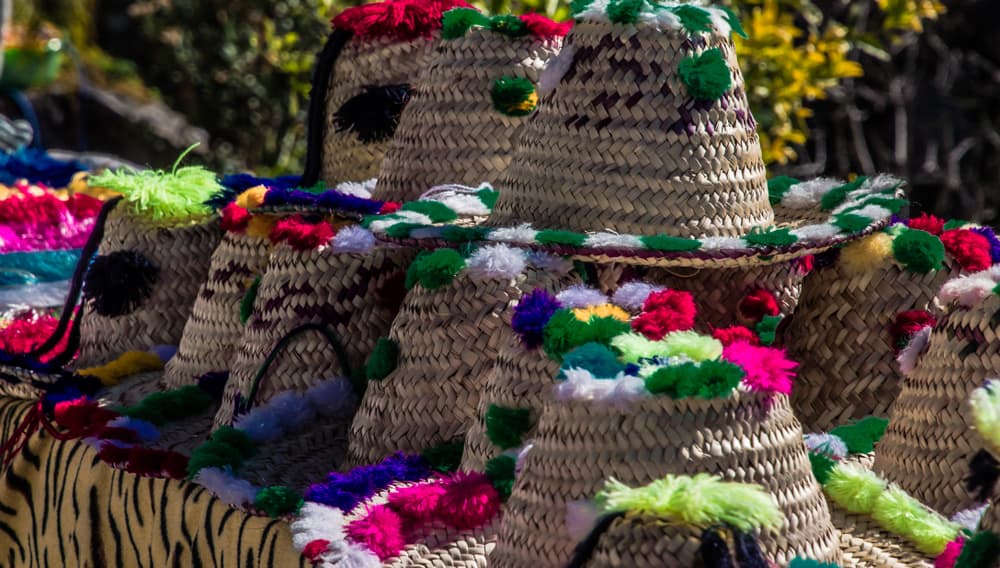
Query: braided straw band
[(182, 255), (930, 439), (750, 438), (450, 132), (840, 336), (360, 64), (355, 294), (448, 340), (214, 329)]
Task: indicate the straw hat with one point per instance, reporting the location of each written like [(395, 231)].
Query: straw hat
[(856, 314), (930, 441), (717, 409), (362, 82), (643, 150), (426, 378), (455, 129)]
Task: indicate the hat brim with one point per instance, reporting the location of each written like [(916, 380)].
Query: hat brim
[(829, 213)]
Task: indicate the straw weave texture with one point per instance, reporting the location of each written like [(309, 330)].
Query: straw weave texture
[(448, 342), (991, 519), (213, 331), (867, 545), (450, 132), (182, 254), (645, 542), (930, 439), (361, 64), (840, 337), (355, 294), (620, 145), (747, 438), (443, 546)]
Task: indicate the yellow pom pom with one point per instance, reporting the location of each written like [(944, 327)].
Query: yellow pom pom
[(252, 198), (260, 226), (129, 363), (602, 311), (867, 254)]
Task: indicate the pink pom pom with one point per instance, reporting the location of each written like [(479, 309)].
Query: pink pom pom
[(417, 503), (469, 501), (949, 557), (314, 549), (381, 530), (767, 369)]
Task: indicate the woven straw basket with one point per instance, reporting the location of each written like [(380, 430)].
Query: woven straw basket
[(991, 519), (644, 542), (355, 294), (182, 255), (866, 544), (443, 546), (450, 132), (930, 439), (747, 438), (448, 342), (360, 64), (214, 330), (636, 167), (840, 335)]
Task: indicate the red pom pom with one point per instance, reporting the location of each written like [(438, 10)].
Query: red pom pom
[(121, 434), (470, 500), (112, 454), (543, 27), (27, 331), (417, 503), (235, 218), (665, 311), (398, 20), (806, 264), (730, 335), (389, 207), (82, 417), (757, 304), (907, 324), (381, 530), (929, 223), (83, 206), (970, 249), (314, 549), (144, 462), (174, 465), (301, 234)]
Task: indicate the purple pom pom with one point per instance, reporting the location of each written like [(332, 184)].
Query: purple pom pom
[(992, 238), (531, 314), (346, 490), (341, 201)]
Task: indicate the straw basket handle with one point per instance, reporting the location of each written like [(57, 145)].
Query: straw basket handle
[(327, 333)]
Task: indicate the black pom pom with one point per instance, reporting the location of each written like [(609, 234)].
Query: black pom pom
[(374, 114), (748, 552), (714, 550), (119, 282), (984, 470)]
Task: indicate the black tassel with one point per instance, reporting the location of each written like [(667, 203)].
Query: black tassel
[(714, 550), (119, 282), (984, 470), (374, 114), (585, 550), (748, 552)]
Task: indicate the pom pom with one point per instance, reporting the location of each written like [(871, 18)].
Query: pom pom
[(444, 458), (456, 22), (252, 198), (501, 471), (119, 282), (580, 296), (714, 551), (980, 551), (505, 427), (229, 490), (855, 489), (373, 114), (383, 360), (565, 332), (128, 364), (991, 237), (380, 530), (928, 223), (545, 28), (866, 254), (951, 553), (602, 311), (469, 501), (767, 369), (861, 436), (918, 251), (593, 357), (822, 465), (278, 501), (711, 379), (397, 20), (417, 503), (353, 239), (907, 324), (436, 269), (729, 335), (162, 407), (235, 218), (300, 234), (496, 262), (706, 76), (692, 345), (514, 96), (984, 470), (971, 250), (826, 444), (665, 311), (758, 304), (632, 295)]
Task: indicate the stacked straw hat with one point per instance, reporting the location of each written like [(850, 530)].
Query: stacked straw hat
[(929, 444), (638, 398), (426, 378), (859, 311), (985, 404), (362, 82)]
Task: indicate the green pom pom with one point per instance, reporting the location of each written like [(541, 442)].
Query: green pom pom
[(778, 186), (980, 551), (509, 25), (246, 304), (455, 234), (488, 197), (402, 230), (772, 238), (673, 381), (435, 270), (444, 458), (505, 427), (577, 7), (437, 211), (625, 11), (767, 329), (236, 439), (594, 357), (734, 22), (717, 379), (383, 360), (706, 76), (955, 224), (562, 333), (852, 223), (554, 237), (666, 243), (514, 96), (278, 501), (500, 471), (214, 454), (694, 19), (456, 22), (837, 195), (413, 271), (860, 437), (918, 251), (162, 407), (821, 467)]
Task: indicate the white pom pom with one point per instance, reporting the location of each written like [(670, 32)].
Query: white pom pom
[(230, 490), (353, 239), (910, 354), (333, 398), (632, 295), (580, 296), (827, 444), (497, 262)]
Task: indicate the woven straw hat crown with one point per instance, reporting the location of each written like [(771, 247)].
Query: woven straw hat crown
[(646, 130)]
